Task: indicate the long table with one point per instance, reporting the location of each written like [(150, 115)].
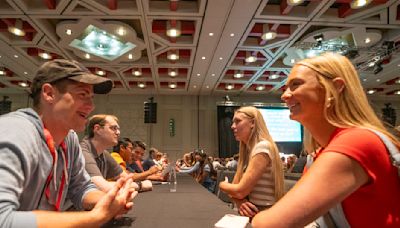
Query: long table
[(191, 206)]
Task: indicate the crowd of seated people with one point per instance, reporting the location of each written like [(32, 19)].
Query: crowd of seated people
[(198, 165)]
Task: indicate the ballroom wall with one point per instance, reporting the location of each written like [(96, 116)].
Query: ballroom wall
[(195, 118)]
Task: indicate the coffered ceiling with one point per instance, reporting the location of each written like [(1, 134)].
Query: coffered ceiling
[(219, 46)]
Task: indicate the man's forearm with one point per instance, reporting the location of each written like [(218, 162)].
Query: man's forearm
[(91, 199), (68, 219)]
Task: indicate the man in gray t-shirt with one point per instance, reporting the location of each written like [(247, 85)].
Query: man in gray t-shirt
[(102, 132)]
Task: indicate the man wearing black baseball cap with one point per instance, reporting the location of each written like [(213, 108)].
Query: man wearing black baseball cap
[(41, 164)]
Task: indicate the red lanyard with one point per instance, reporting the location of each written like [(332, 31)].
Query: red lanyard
[(53, 152)]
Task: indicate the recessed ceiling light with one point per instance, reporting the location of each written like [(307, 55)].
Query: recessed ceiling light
[(356, 4), (260, 87), (274, 76), (364, 79), (100, 72), (203, 57), (172, 55), (194, 86), (17, 28), (130, 56), (137, 72), (15, 56), (238, 74), (367, 40), (172, 72), (397, 81), (294, 2), (87, 56), (2, 71), (213, 75), (250, 59), (211, 34), (232, 34), (172, 85), (229, 86), (198, 74), (68, 32), (207, 87), (173, 32), (25, 72), (378, 80), (121, 31), (371, 91), (45, 55), (269, 36), (397, 92), (220, 58), (141, 85), (23, 84)]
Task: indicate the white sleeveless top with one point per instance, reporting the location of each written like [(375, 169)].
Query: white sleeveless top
[(263, 193)]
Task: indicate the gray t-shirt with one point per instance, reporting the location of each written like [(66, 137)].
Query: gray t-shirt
[(99, 164)]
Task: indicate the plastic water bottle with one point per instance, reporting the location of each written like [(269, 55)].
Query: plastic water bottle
[(172, 180)]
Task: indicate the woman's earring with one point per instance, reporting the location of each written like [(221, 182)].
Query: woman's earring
[(329, 103)]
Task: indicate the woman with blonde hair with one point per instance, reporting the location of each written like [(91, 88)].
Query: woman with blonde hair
[(352, 176), (258, 182)]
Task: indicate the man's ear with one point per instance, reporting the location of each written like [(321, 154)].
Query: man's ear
[(96, 127), (48, 93), (339, 84)]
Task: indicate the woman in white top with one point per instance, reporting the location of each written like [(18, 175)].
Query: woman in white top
[(258, 182)]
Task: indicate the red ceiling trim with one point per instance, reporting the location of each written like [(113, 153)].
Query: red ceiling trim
[(3, 26), (178, 84), (134, 83), (393, 92), (344, 10), (51, 4), (8, 72), (187, 27), (392, 81), (285, 8), (165, 70), (173, 5), (160, 27), (236, 86), (36, 51), (113, 4)]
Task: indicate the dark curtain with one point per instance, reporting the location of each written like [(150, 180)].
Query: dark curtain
[(228, 146), (5, 105)]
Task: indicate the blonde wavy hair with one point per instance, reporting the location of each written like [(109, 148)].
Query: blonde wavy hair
[(257, 134), (345, 109)]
